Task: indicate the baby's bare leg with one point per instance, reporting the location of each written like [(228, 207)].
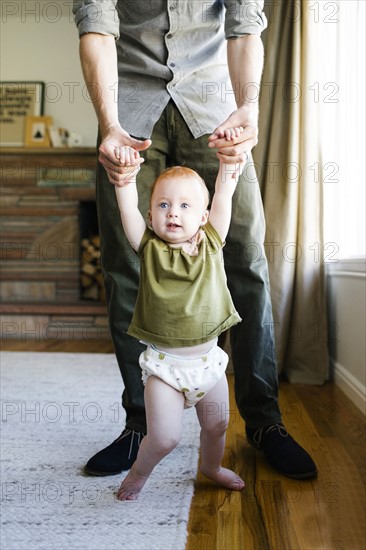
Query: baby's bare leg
[(164, 410), (213, 414)]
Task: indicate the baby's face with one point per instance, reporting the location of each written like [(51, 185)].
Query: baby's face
[(178, 209)]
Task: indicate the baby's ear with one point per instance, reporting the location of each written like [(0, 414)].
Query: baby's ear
[(149, 217), (205, 216)]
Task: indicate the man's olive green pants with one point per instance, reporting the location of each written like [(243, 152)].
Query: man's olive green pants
[(252, 340)]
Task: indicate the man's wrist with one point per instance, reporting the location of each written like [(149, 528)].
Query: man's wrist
[(109, 129), (249, 113)]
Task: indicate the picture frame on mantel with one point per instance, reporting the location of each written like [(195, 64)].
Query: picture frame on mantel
[(18, 100), (37, 131)]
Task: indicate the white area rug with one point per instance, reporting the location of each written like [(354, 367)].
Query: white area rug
[(58, 409)]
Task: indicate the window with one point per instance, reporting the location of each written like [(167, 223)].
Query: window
[(341, 97)]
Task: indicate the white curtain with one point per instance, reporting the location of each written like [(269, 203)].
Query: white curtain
[(289, 161)]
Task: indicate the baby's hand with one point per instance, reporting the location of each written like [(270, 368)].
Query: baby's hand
[(232, 171), (126, 155), (129, 163), (231, 133)]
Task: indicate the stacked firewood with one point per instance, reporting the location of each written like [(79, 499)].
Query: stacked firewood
[(91, 278)]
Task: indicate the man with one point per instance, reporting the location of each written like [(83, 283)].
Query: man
[(172, 60)]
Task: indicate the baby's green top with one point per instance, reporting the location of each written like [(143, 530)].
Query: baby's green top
[(183, 300)]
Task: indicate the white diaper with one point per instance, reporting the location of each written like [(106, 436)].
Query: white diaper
[(194, 377)]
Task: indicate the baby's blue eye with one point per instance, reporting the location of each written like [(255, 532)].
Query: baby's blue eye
[(184, 205), (163, 205)]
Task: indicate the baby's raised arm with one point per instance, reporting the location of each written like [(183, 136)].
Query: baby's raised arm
[(227, 178), (133, 222)]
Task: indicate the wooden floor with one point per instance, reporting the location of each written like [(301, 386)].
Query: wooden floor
[(277, 513), (274, 512)]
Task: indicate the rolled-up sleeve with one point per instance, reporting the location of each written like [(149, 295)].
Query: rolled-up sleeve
[(244, 17), (99, 16)]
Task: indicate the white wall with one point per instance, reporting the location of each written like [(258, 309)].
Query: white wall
[(346, 285), (39, 41)]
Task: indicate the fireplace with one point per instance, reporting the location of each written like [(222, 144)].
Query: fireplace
[(42, 226), (91, 278)]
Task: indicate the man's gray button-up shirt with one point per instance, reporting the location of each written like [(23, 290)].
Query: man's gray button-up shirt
[(172, 49)]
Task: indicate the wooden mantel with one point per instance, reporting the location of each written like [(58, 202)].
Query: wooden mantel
[(48, 150)]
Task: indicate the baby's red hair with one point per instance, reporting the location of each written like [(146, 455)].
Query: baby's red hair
[(177, 172)]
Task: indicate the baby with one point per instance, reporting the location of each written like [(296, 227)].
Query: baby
[(183, 305)]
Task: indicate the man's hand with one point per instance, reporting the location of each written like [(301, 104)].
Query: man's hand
[(117, 139), (236, 149)]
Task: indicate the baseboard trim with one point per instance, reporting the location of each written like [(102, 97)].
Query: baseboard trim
[(350, 386)]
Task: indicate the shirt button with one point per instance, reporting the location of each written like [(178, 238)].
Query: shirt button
[(172, 8), (172, 64), (169, 35)]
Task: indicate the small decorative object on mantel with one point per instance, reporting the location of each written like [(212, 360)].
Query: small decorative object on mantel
[(18, 100), (61, 137), (75, 140), (36, 131)]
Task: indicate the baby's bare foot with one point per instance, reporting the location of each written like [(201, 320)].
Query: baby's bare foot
[(225, 477), (131, 486)]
